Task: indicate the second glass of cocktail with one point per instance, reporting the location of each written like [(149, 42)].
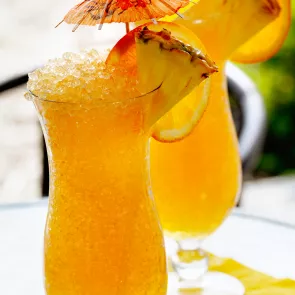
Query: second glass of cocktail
[(196, 180)]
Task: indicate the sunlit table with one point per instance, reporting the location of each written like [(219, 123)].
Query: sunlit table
[(259, 243)]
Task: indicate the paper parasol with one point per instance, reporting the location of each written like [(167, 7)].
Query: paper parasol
[(98, 12)]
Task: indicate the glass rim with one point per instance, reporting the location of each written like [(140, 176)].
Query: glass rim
[(33, 97)]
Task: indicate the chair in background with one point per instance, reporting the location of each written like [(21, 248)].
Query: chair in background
[(249, 116)]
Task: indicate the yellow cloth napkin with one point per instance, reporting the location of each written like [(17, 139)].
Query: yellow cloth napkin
[(255, 282)]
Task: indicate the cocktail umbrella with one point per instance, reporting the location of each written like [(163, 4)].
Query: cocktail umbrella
[(98, 12)]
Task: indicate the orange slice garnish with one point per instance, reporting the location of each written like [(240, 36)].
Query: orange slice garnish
[(267, 42), (224, 26), (181, 120)]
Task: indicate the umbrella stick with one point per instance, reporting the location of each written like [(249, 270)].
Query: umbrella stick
[(127, 28)]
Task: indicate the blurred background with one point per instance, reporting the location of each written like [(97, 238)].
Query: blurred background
[(269, 186)]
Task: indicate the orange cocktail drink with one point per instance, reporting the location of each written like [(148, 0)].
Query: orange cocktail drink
[(196, 180), (98, 198), (102, 234)]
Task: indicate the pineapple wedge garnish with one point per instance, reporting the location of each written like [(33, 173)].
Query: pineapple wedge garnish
[(166, 66), (169, 67)]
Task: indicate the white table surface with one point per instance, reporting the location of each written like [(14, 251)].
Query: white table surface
[(258, 243)]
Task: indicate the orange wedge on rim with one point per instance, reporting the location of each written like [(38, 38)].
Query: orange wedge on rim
[(186, 101), (181, 120), (267, 42)]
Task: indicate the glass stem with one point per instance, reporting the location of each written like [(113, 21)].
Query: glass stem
[(190, 262)]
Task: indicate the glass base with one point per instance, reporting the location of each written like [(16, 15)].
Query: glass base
[(212, 283)]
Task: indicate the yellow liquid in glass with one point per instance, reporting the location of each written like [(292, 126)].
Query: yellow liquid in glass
[(102, 234), (196, 180)]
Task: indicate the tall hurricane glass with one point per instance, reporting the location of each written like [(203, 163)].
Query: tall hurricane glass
[(102, 233), (196, 181)]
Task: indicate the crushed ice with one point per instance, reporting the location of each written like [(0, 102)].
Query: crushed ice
[(77, 76)]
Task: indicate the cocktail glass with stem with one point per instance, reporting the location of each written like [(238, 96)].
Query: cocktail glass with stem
[(196, 181)]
